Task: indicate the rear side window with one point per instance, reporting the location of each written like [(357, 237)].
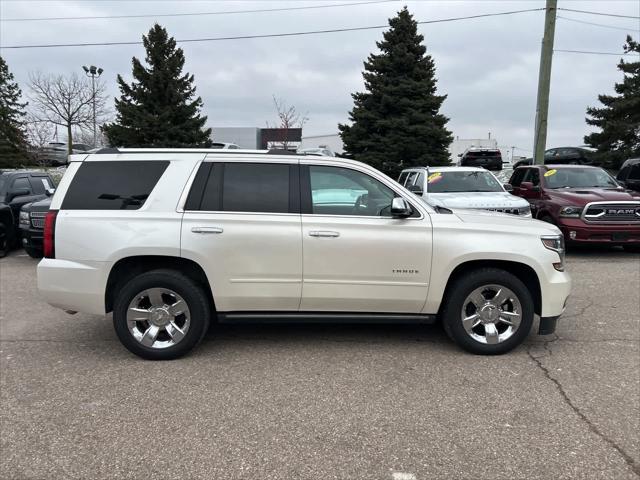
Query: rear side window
[(245, 187), (113, 185)]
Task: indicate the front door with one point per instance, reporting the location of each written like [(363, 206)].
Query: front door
[(242, 225), (356, 257)]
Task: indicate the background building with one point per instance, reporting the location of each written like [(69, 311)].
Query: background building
[(258, 138), (332, 141)]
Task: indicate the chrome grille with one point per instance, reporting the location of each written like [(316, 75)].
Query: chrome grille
[(512, 211), (612, 212), (37, 219)]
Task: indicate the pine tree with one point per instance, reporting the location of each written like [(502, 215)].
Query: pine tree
[(396, 122), (13, 144), (160, 107), (619, 118)]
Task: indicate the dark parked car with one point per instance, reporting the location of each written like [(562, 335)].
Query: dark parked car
[(562, 156), (489, 158), (629, 174), (585, 202), (32, 226), (17, 188)]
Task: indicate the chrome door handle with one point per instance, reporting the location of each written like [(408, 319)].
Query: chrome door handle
[(323, 233), (206, 230)]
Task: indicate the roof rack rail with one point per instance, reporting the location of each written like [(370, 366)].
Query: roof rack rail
[(281, 151), (107, 150)]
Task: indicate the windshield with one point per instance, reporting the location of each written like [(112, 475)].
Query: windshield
[(579, 178), (462, 181)]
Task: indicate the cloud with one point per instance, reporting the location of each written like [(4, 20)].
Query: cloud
[(487, 67)]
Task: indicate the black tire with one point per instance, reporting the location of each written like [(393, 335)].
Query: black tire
[(632, 248), (457, 294), (34, 252), (194, 296)]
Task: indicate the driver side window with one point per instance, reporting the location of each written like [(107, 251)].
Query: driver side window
[(342, 191)]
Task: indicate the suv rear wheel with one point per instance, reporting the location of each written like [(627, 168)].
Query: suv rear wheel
[(161, 315), (488, 311)]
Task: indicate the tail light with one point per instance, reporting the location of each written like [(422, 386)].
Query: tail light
[(49, 239)]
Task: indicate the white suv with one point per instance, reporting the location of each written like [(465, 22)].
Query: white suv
[(170, 240), (463, 187)]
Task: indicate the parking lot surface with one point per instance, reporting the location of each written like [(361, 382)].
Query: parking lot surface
[(324, 402)]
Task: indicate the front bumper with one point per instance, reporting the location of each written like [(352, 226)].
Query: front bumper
[(579, 232), (32, 238)]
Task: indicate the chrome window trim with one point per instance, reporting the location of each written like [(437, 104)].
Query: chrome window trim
[(590, 218)]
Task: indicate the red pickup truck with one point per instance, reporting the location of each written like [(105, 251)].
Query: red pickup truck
[(586, 203)]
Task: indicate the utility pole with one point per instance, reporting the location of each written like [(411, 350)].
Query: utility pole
[(544, 81), (93, 72)]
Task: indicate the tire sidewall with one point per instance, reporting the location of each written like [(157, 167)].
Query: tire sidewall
[(463, 287), (183, 286)]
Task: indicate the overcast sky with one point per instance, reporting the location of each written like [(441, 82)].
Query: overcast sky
[(488, 67)]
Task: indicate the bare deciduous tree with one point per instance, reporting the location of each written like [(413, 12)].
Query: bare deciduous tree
[(288, 117), (39, 133), (66, 101)]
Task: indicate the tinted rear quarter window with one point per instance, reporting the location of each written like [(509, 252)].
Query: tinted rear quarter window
[(113, 185)]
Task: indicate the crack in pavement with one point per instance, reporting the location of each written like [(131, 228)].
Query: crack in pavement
[(635, 467)]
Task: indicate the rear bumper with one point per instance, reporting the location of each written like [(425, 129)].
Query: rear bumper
[(73, 285), (586, 233), (493, 164)]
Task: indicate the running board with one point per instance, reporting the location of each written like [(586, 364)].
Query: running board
[(324, 317)]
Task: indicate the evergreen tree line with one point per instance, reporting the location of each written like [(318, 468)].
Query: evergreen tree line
[(395, 122)]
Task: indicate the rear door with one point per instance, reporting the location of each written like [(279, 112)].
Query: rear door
[(242, 225), (356, 257)]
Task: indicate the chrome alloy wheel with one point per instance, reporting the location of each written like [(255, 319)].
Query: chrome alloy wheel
[(491, 314), (158, 318)]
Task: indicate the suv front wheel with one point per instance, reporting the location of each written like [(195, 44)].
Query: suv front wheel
[(488, 311), (161, 315)]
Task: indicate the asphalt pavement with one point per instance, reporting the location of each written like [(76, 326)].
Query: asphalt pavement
[(322, 401)]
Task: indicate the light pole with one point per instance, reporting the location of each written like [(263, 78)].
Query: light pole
[(93, 72)]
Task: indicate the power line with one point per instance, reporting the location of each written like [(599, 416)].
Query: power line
[(599, 24), (599, 13), (591, 53), (195, 14), (273, 35)]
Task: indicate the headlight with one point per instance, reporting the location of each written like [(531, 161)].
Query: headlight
[(23, 219), (570, 211), (555, 243), (525, 211)]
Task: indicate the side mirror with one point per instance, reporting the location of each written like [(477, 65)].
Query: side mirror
[(50, 191), (22, 192), (460, 155), (400, 208), (417, 189), (508, 187)]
